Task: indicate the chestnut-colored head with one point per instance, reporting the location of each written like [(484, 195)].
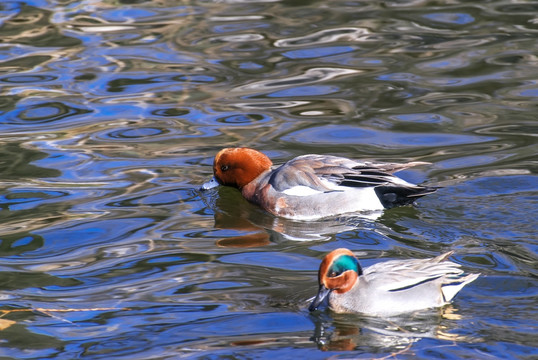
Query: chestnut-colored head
[(339, 271), (238, 166)]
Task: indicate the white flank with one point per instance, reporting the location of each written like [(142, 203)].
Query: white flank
[(301, 191), (365, 199)]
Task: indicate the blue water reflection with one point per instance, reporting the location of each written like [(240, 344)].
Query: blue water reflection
[(341, 134)]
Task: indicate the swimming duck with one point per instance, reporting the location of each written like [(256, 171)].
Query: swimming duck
[(314, 186), (388, 288)]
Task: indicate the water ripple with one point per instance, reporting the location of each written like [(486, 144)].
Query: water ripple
[(341, 134), (44, 113), (309, 76), (344, 34), (444, 99)]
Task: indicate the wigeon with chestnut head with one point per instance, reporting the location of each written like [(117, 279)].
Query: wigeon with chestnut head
[(388, 288), (310, 187)]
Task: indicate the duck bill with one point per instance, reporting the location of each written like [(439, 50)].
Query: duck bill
[(322, 294), (210, 184)]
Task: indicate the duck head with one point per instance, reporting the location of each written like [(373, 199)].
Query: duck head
[(338, 272), (237, 167)]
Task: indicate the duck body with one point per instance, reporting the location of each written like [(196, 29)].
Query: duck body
[(388, 288), (314, 186)]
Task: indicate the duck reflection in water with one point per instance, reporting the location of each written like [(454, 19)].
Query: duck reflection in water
[(259, 228), (346, 332)]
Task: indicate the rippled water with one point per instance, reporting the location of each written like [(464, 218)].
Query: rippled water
[(111, 113)]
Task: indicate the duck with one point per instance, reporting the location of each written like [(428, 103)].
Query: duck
[(312, 186), (387, 288)]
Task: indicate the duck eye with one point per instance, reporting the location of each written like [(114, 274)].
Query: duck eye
[(224, 167), (333, 274)]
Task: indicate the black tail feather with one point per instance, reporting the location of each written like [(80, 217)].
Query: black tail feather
[(391, 196)]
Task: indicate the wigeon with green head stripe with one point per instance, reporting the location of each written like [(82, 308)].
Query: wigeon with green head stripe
[(314, 186), (388, 288)]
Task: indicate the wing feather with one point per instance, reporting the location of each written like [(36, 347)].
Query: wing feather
[(398, 275), (324, 172)]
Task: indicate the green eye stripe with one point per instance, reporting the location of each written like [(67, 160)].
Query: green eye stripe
[(342, 264)]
